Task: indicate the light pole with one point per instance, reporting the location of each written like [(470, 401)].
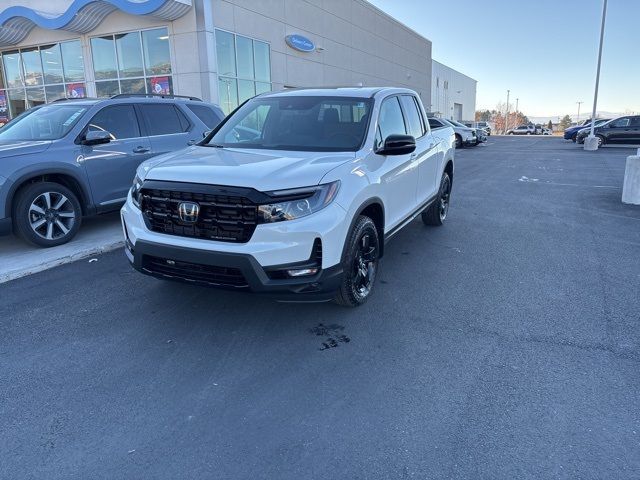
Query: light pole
[(517, 100), (591, 142), (578, 119), (506, 116)]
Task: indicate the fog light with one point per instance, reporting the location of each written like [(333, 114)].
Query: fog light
[(302, 272)]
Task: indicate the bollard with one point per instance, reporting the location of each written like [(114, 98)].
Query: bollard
[(631, 185)]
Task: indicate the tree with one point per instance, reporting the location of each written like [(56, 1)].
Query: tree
[(550, 125), (483, 115), (565, 122)]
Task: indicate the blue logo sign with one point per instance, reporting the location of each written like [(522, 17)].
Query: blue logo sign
[(300, 43)]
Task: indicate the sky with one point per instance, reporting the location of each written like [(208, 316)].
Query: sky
[(544, 51)]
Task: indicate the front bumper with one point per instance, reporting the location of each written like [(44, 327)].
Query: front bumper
[(273, 247), (231, 271)]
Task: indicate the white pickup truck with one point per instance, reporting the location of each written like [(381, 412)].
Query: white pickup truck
[(293, 194)]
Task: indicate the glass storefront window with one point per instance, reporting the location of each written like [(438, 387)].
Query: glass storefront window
[(244, 56), (244, 66), (246, 90), (262, 61), (228, 91), (40, 74), (52, 63), (129, 55), (226, 51), (104, 57), (157, 58), (107, 89), (12, 71), (134, 62), (73, 61), (32, 66)]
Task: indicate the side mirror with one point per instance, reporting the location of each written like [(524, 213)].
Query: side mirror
[(396, 144), (96, 137)]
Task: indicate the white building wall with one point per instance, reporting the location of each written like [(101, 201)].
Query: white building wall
[(450, 87), (356, 43)]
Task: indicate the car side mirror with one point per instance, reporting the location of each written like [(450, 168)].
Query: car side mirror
[(96, 137), (397, 144)]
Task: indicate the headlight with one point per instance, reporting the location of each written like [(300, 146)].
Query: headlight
[(297, 203), (135, 191)]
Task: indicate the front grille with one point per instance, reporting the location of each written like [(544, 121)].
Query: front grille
[(194, 272), (223, 217)]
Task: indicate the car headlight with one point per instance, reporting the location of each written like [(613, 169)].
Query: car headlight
[(135, 191), (297, 203)]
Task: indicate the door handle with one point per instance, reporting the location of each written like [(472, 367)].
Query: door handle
[(141, 150)]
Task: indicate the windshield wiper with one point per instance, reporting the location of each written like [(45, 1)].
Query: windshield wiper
[(214, 145)]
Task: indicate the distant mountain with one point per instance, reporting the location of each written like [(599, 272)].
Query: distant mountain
[(583, 116)]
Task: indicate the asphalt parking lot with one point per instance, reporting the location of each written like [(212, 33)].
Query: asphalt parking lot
[(503, 345)]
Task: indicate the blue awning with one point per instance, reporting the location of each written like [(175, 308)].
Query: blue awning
[(82, 16)]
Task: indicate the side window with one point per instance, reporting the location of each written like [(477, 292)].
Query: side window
[(207, 115), (413, 116), (390, 120), (119, 120), (433, 123), (620, 123), (635, 121), (163, 119)]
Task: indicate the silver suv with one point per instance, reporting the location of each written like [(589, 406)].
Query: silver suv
[(72, 158)]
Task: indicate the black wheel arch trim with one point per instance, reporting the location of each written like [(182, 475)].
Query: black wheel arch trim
[(367, 203), (85, 197)]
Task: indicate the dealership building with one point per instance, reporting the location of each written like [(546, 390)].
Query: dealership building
[(223, 51)]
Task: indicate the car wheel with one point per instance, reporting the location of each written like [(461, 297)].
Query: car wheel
[(601, 140), (436, 214), (458, 141), (47, 214), (359, 264), (510, 133), (528, 133), (574, 137)]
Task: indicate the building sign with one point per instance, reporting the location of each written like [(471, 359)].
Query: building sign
[(4, 108), (160, 85), (75, 90), (300, 43)]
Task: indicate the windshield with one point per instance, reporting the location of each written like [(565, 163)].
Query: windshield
[(297, 123), (49, 122), (457, 124)]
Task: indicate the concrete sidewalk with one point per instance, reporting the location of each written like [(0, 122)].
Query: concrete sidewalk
[(97, 235)]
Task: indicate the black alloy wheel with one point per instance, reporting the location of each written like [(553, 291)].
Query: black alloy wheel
[(436, 214), (360, 264)]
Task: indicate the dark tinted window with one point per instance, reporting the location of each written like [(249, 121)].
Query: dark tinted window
[(635, 121), (119, 120), (163, 119), (435, 123), (207, 115), (412, 115), (390, 120)]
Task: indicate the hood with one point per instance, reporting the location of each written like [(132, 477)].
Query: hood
[(15, 148), (263, 170)]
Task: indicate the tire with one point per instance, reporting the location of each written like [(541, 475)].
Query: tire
[(574, 137), (510, 133), (601, 140), (458, 141), (528, 133), (359, 263), (47, 214), (436, 214)]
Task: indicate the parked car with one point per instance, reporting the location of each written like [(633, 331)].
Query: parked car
[(465, 136), (571, 133), (301, 210), (68, 159), (546, 131), (485, 126), (619, 130), (522, 130)]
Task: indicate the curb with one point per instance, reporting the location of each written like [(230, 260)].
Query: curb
[(19, 273)]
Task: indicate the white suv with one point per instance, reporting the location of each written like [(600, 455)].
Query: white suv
[(294, 194)]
